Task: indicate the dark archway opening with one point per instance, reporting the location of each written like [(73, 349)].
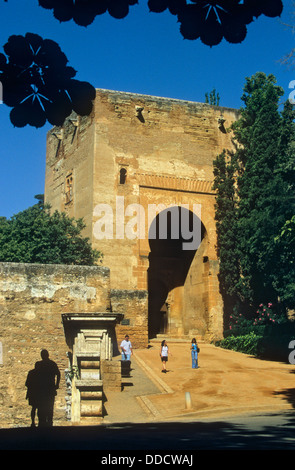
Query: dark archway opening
[(174, 237)]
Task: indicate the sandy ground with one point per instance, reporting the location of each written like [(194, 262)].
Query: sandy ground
[(225, 383)]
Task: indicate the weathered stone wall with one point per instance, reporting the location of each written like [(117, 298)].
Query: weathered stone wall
[(166, 148), (134, 306), (167, 151), (32, 299), (69, 170), (111, 375)]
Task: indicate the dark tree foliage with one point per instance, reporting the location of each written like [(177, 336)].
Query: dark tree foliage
[(209, 20), (37, 236), (212, 98), (250, 222), (285, 280), (40, 86), (83, 12), (226, 213)]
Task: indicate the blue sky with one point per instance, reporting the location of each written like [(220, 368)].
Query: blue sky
[(143, 53)]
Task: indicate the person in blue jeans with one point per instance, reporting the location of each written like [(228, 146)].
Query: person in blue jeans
[(194, 350), (126, 349)]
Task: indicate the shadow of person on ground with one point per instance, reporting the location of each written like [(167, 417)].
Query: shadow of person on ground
[(42, 383), (288, 395)]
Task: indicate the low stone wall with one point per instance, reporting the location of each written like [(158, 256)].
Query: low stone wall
[(134, 305), (111, 376), (32, 299)]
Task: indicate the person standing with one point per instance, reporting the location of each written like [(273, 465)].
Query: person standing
[(126, 348), (33, 393), (164, 351), (48, 382), (194, 351)]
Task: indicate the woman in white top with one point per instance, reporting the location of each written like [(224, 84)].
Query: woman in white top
[(164, 354)]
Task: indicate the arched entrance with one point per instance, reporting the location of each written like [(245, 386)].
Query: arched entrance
[(175, 236)]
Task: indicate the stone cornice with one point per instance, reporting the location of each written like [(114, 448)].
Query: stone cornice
[(175, 183)]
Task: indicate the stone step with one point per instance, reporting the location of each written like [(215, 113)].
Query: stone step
[(175, 339)]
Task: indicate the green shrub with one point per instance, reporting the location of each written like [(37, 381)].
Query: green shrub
[(248, 344), (272, 345), (259, 330)]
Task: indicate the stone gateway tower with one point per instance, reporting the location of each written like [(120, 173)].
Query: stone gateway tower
[(139, 171)]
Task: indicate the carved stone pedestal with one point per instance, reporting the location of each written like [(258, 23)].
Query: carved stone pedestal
[(92, 340)]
